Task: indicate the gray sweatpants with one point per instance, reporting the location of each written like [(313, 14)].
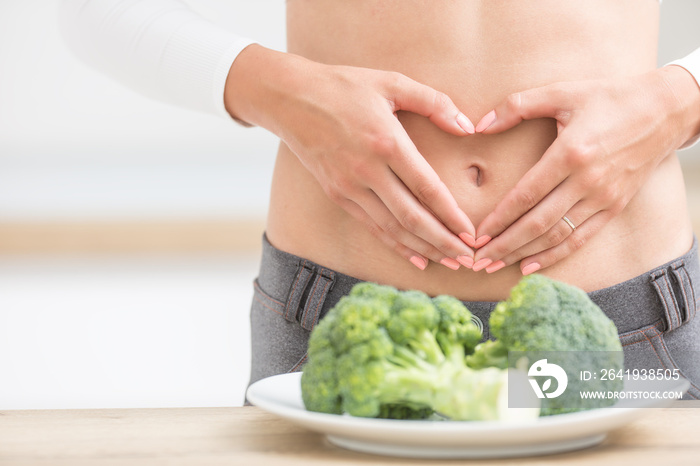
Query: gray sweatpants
[(654, 313)]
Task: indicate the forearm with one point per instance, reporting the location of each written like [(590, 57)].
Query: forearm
[(160, 48)]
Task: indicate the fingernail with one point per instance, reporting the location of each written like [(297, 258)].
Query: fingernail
[(531, 268), (468, 239), (465, 124), (419, 262), (482, 240), (483, 263), (466, 261), (451, 263), (498, 265), (487, 121)]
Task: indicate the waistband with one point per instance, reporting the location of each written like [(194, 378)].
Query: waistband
[(665, 297)]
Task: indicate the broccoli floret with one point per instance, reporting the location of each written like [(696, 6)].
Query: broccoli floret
[(457, 335), (321, 377), (386, 294), (384, 353), (545, 315), (489, 354), (414, 323), (542, 314)]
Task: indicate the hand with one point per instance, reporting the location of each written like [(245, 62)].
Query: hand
[(341, 123), (612, 133)]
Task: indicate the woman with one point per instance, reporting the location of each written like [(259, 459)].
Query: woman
[(382, 175)]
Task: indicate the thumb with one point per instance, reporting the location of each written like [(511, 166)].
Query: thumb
[(541, 102), (411, 96)]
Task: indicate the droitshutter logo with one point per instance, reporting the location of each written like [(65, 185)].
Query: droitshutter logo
[(542, 369)]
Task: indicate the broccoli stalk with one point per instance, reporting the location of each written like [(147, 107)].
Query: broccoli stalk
[(384, 353), (450, 390)]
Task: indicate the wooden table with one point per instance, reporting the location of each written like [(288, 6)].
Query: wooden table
[(249, 436)]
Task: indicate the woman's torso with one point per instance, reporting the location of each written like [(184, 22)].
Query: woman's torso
[(477, 52)]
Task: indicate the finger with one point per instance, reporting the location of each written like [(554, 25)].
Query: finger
[(414, 97), (378, 213), (422, 181), (407, 253), (541, 102), (539, 181), (573, 242), (407, 214), (537, 222), (561, 230)]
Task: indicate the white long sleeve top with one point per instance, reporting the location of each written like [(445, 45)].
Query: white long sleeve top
[(165, 50), (161, 48)]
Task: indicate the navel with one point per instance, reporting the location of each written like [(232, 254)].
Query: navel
[(475, 175)]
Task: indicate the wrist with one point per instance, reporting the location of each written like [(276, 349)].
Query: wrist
[(258, 84), (239, 89), (683, 99)]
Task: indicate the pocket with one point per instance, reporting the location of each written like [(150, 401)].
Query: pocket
[(646, 348), (278, 346), (680, 349), (639, 350)]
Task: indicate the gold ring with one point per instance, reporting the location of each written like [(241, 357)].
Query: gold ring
[(569, 222)]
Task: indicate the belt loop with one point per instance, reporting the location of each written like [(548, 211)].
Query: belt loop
[(686, 291), (304, 272), (664, 289), (322, 285)]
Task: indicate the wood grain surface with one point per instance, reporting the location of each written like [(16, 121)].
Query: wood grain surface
[(249, 436)]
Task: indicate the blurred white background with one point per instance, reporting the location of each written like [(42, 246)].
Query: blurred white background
[(122, 330), (74, 144), (107, 330)]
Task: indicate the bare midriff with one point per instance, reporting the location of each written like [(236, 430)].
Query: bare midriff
[(478, 52)]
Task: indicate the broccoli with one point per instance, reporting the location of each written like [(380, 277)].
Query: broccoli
[(380, 352), (545, 315)]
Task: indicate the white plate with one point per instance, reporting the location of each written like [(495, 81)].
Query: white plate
[(281, 395)]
